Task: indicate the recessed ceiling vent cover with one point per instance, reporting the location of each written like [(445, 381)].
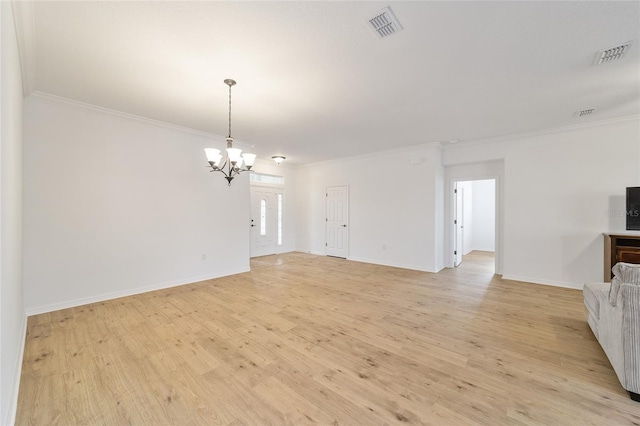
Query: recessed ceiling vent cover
[(612, 53), (585, 112), (385, 23)]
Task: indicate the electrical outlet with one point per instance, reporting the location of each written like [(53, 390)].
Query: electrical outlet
[(204, 256)]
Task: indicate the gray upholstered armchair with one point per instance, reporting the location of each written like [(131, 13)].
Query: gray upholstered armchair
[(614, 316)]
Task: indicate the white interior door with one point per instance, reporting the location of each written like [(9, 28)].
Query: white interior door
[(458, 224), (264, 222), (337, 221)]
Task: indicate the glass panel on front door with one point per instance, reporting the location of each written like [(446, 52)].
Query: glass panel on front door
[(263, 217)]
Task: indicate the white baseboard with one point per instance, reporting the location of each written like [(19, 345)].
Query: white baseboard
[(130, 292), (310, 251), (15, 385), (394, 265), (532, 280)]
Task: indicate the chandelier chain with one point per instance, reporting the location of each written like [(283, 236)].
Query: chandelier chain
[(229, 110)]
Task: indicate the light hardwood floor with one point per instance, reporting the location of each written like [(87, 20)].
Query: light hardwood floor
[(306, 339)]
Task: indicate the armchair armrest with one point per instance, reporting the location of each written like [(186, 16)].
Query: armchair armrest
[(631, 335)]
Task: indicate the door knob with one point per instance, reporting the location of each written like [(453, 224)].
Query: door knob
[(344, 226)]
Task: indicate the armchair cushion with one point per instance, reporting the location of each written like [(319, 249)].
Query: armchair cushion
[(623, 273)]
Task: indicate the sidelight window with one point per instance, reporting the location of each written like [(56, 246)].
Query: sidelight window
[(263, 217), (279, 219)]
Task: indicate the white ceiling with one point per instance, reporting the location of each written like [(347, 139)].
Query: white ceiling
[(315, 83)]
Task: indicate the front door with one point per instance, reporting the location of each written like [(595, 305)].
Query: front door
[(264, 221), (337, 221)]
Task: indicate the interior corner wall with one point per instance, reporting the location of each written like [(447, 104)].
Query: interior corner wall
[(561, 190), (439, 185), (12, 311), (115, 205), (392, 219)]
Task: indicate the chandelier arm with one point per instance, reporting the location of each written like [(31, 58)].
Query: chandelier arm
[(218, 170), (231, 171), (229, 177)]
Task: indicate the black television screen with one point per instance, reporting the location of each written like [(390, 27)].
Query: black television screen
[(633, 208)]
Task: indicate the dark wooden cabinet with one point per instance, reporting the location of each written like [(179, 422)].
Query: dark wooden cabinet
[(622, 247)]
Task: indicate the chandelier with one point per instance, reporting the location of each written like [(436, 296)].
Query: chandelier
[(232, 165)]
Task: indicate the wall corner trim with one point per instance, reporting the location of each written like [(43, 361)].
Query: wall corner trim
[(17, 374), (24, 18)]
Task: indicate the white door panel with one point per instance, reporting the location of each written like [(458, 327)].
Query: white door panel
[(264, 221), (337, 221)]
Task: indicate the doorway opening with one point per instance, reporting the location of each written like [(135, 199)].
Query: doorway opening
[(474, 222), (481, 264)]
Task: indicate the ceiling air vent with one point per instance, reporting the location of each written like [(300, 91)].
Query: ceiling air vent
[(585, 112), (612, 53), (385, 23)]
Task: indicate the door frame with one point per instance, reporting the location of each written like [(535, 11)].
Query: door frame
[(458, 228), (499, 215)]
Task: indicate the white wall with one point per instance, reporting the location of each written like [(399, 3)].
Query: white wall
[(115, 205), (12, 312), (483, 218), (556, 216), (465, 188), (392, 206), (439, 188), (558, 189)]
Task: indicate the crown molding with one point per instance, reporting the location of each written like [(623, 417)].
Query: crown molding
[(429, 145), (443, 146), (438, 146), (59, 100), (560, 129), (24, 18)]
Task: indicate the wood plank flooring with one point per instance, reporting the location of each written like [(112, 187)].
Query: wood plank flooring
[(306, 339)]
